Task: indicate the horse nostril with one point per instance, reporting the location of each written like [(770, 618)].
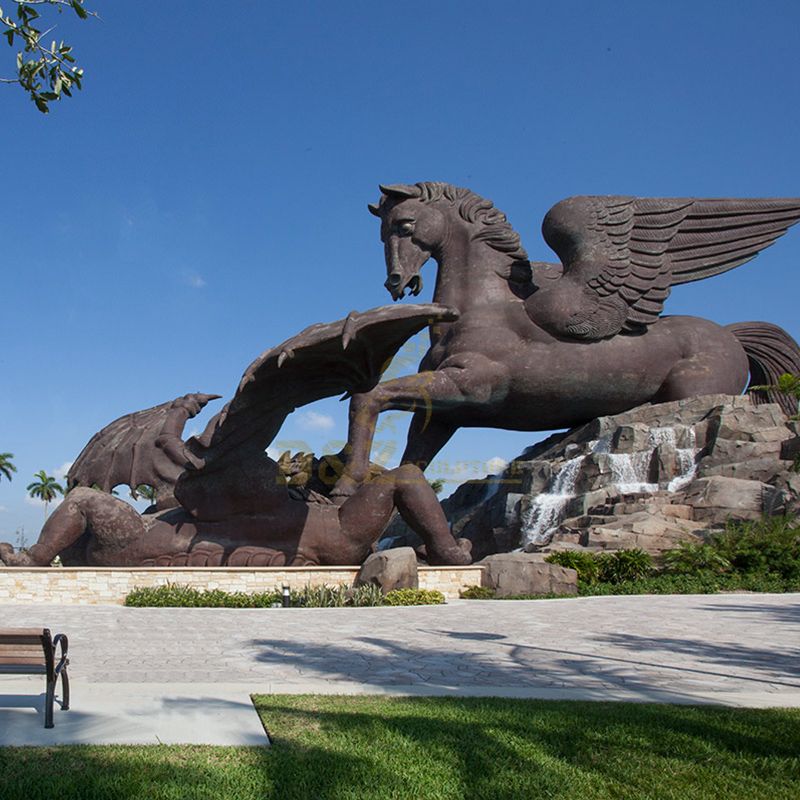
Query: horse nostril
[(394, 279)]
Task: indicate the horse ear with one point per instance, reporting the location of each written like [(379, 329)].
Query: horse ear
[(374, 209), (400, 190)]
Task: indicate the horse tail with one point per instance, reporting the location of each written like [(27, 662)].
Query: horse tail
[(771, 352)]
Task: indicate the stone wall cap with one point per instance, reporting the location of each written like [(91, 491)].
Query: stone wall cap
[(219, 570)]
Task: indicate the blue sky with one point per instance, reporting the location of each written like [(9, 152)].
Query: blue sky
[(205, 196)]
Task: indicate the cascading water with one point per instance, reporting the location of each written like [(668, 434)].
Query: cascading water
[(547, 509), (629, 475)]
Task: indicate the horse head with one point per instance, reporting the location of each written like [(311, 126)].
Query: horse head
[(430, 219), (412, 230)]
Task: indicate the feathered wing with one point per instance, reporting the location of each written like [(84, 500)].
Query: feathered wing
[(622, 255), (348, 355), (125, 450)]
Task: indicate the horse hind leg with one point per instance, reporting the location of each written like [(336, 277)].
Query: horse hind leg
[(427, 435), (721, 370)]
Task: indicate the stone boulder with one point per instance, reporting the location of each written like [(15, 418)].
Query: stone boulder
[(717, 499), (390, 569), (522, 573)]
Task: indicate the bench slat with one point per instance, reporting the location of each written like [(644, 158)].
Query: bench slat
[(23, 631), (17, 650), (22, 659), (17, 669), (21, 639)]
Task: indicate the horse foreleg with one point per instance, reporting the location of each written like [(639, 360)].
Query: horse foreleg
[(424, 393)]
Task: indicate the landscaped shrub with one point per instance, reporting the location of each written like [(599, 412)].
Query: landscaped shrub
[(613, 567), (413, 597), (477, 593), (702, 583), (624, 565), (768, 546), (691, 558), (585, 564), (321, 597), (368, 594), (176, 596)]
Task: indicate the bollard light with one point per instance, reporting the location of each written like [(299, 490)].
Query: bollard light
[(287, 598)]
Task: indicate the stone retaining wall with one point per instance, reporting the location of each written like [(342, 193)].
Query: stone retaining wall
[(96, 585)]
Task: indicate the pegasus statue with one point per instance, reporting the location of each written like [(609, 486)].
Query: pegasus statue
[(542, 346)]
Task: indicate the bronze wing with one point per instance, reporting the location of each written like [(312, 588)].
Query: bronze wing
[(125, 451), (622, 255), (348, 355)]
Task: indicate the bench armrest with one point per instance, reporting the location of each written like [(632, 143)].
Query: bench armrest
[(61, 641)]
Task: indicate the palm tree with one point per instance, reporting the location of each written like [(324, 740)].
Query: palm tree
[(6, 467), (46, 488), (437, 484), (788, 384), (144, 491)]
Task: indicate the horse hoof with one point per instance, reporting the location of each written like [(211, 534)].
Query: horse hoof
[(345, 487), (465, 545), (10, 558), (6, 550)]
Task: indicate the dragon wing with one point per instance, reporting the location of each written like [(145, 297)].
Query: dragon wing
[(126, 451), (622, 255), (323, 360)]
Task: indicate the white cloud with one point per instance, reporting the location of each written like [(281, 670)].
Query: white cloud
[(60, 473), (194, 280), (496, 465), (33, 501), (311, 420), (3, 508)]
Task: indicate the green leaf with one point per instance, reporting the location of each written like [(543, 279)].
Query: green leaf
[(41, 104), (79, 9)]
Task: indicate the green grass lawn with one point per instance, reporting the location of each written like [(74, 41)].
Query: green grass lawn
[(419, 748)]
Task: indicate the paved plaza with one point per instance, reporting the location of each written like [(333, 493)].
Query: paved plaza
[(185, 675)]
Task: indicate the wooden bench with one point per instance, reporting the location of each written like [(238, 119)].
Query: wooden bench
[(32, 651)]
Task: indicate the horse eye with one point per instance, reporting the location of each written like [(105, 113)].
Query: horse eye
[(406, 227)]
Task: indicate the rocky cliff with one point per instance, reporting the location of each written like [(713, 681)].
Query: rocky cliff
[(647, 478)]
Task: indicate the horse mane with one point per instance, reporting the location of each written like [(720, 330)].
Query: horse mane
[(493, 227)]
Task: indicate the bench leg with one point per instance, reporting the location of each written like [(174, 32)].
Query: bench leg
[(64, 690), (48, 704)]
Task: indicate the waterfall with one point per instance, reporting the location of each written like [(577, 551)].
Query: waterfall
[(547, 509), (687, 464), (629, 475)]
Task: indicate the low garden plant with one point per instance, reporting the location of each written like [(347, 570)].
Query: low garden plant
[(177, 596), (174, 595), (477, 593), (413, 597)]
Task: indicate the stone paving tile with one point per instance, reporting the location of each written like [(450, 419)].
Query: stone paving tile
[(675, 646)]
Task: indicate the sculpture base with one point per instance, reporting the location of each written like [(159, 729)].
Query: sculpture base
[(110, 585)]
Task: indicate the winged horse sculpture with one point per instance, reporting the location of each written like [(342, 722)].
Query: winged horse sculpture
[(540, 346)]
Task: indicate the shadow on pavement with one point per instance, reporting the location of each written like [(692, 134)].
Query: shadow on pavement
[(667, 669)]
